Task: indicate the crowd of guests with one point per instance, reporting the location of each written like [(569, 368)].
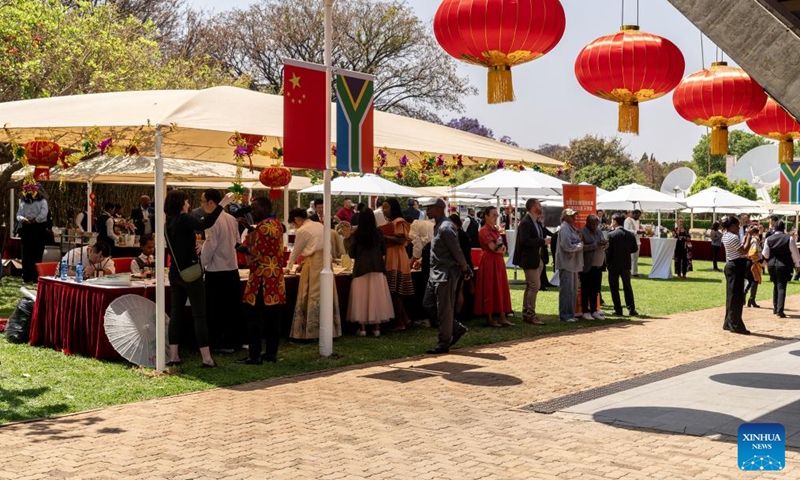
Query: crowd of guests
[(387, 244)]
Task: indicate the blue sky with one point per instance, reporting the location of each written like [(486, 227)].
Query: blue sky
[(550, 105)]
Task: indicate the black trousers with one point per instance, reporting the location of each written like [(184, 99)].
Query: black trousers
[(734, 293), (196, 293), (681, 262), (780, 276), (226, 326), (263, 320), (590, 288), (32, 237), (715, 255), (613, 284), (751, 285)]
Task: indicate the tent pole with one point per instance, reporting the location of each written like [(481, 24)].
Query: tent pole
[(286, 214), (691, 219), (160, 195), (659, 224), (516, 222), (11, 216), (326, 278), (89, 207)]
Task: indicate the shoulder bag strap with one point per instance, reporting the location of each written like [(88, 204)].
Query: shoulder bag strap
[(171, 251)]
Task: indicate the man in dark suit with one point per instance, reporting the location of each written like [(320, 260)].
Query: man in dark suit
[(143, 216), (621, 244), (530, 254), (319, 211)]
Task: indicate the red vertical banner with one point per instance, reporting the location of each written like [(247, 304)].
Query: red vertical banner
[(582, 199), (304, 121)]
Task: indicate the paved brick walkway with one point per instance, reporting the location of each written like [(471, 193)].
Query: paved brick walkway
[(448, 417)]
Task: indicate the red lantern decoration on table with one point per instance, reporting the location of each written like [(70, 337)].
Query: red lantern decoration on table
[(777, 124), (275, 178), (718, 97), (499, 34), (629, 67), (42, 154)]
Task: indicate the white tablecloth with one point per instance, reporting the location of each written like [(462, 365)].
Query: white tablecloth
[(662, 251), (511, 238)]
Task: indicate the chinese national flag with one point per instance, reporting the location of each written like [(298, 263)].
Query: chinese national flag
[(304, 123)]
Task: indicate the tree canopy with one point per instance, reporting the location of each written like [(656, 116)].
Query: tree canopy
[(739, 143), (52, 50), (415, 76), (720, 180)]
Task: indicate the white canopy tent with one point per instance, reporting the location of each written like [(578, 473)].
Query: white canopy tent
[(510, 183), (716, 200), (635, 196), (199, 124), (369, 184)]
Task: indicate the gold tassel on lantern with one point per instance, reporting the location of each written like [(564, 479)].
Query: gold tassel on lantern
[(719, 140), (786, 151), (501, 88), (628, 118)]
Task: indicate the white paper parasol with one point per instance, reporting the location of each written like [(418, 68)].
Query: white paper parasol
[(130, 325)]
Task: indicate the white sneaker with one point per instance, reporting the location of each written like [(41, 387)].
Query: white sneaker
[(570, 320), (588, 316), (598, 315)]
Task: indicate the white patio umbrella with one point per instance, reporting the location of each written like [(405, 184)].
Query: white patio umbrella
[(635, 196), (369, 184), (716, 200), (507, 183)]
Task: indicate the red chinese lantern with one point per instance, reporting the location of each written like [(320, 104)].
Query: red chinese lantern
[(42, 154), (777, 124), (499, 34), (275, 178), (718, 97), (629, 67)]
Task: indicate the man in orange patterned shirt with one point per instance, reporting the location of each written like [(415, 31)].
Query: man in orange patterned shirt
[(265, 293)]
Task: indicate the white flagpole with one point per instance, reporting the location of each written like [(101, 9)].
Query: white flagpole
[(11, 217), (326, 278), (160, 247)]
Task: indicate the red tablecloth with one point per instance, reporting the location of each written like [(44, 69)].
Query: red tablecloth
[(13, 248), (701, 250), (69, 316)]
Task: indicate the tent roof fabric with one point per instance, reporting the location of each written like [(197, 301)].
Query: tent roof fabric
[(197, 125), (715, 198), (635, 196), (507, 183), (368, 184)]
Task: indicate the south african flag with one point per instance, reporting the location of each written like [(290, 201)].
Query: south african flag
[(354, 129), (790, 182)]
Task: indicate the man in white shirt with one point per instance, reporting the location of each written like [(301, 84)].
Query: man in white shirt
[(218, 258), (93, 258), (105, 226), (380, 219), (633, 225)]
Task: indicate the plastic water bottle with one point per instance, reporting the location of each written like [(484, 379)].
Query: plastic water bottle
[(79, 273), (64, 270)]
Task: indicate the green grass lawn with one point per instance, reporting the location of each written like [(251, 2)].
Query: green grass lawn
[(38, 382)]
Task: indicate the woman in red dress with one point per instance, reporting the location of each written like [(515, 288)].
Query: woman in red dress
[(492, 295), (398, 265)]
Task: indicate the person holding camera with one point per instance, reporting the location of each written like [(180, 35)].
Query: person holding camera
[(754, 271), (492, 295), (736, 255)]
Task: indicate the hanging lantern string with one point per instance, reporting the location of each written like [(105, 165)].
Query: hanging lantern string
[(702, 52), (622, 16)]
